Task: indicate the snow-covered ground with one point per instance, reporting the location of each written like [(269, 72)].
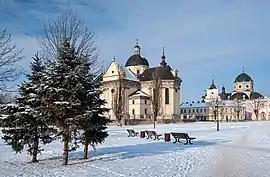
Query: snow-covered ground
[(240, 149)]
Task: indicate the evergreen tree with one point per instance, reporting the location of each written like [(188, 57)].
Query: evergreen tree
[(25, 124), (72, 100), (93, 122)]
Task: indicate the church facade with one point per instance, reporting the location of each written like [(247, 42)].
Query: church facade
[(137, 82)]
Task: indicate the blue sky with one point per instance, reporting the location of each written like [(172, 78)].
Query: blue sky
[(202, 39)]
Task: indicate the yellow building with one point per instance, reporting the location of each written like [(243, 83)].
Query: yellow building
[(138, 82)]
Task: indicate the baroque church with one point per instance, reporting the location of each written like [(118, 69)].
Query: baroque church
[(243, 89), (138, 87)]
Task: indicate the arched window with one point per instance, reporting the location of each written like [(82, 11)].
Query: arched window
[(112, 90), (167, 97)]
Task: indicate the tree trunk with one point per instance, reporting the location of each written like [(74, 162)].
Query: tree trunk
[(35, 149), (154, 123), (65, 153), (85, 151)]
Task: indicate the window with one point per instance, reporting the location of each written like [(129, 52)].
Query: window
[(197, 110), (145, 101), (189, 111), (200, 110), (181, 111), (133, 101), (193, 110), (112, 90), (133, 111), (138, 71), (176, 90), (239, 86), (246, 86), (145, 111), (112, 71), (186, 111), (167, 98), (204, 110)]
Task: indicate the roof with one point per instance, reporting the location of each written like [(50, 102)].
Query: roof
[(140, 93), (163, 73), (130, 75), (212, 86), (194, 105), (243, 77), (239, 96), (255, 95), (136, 60)]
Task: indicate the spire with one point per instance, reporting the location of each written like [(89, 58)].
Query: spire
[(113, 59), (137, 48), (223, 89), (213, 86), (243, 69), (163, 62)]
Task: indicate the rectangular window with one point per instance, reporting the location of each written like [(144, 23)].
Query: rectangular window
[(145, 101), (133, 111), (167, 97), (197, 110), (185, 111), (204, 110), (201, 110), (189, 111), (145, 111), (133, 101), (181, 111), (193, 110)]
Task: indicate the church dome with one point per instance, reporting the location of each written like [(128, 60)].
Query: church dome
[(136, 60), (243, 77)]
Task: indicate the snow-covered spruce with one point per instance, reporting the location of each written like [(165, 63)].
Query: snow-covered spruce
[(25, 124), (72, 101)]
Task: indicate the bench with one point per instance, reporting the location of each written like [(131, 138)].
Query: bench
[(178, 136), (132, 133), (152, 134)]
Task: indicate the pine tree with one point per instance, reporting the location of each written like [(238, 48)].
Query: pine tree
[(25, 124), (72, 101), (93, 122)]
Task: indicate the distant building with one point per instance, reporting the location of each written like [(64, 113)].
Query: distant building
[(236, 105)]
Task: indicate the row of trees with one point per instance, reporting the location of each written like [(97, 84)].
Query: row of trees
[(61, 97)]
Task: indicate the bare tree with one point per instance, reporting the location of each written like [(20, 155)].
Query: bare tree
[(156, 98), (82, 39), (238, 108), (9, 56), (118, 100), (257, 105), (216, 106)]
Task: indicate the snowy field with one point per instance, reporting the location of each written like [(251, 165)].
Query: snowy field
[(240, 149)]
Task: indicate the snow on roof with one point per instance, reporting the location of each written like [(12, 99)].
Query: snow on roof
[(194, 105), (130, 75)]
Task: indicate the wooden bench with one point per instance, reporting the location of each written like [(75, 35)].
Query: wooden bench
[(152, 134), (178, 136), (132, 133)]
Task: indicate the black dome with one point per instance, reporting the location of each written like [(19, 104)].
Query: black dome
[(243, 77), (136, 60)]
